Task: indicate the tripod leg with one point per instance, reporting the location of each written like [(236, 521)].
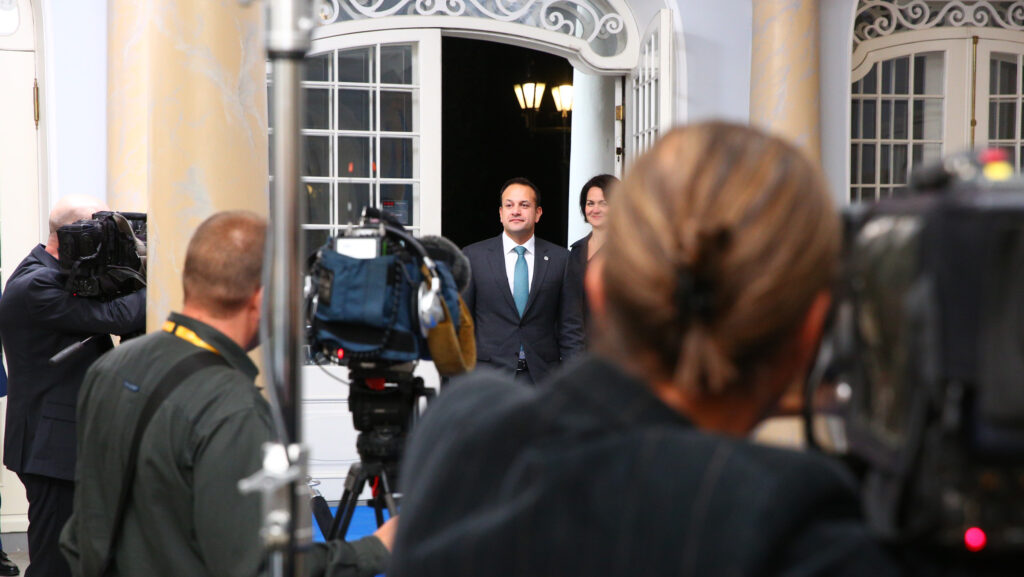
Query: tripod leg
[(322, 514), (378, 505), (354, 483), (388, 496)]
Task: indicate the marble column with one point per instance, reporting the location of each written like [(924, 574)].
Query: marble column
[(187, 123), (784, 90)]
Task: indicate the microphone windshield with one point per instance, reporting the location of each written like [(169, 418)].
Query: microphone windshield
[(443, 250)]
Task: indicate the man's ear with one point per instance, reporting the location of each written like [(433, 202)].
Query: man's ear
[(540, 211), (593, 284)]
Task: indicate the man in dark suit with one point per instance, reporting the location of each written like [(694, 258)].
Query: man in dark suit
[(525, 321), (38, 319)]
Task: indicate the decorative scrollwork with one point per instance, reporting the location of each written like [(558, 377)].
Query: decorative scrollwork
[(877, 18), (594, 21)]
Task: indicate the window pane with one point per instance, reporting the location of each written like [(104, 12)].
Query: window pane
[(855, 163), (317, 108), (396, 157), (1003, 72), (396, 111), (887, 71), (868, 120), (927, 119), (355, 65), (316, 155), (899, 120), (318, 204), (352, 198), (901, 74), (885, 175), (928, 73), (1002, 120), (396, 64), (397, 199), (867, 164), (870, 81), (932, 153), (899, 163), (855, 119), (886, 119), (315, 239), (354, 155), (856, 87), (318, 68), (355, 110)]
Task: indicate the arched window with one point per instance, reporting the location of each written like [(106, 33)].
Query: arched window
[(931, 79)]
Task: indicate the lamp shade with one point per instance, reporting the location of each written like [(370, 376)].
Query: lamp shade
[(563, 98), (529, 94)]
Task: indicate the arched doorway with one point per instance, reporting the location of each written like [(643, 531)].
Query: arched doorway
[(930, 80), (373, 134)]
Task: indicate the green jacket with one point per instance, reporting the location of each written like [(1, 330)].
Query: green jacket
[(186, 515)]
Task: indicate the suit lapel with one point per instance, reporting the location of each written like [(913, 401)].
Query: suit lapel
[(500, 275), (540, 268)]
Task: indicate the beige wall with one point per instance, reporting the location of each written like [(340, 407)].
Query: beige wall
[(187, 123)]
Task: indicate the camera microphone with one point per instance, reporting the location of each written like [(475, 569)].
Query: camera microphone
[(443, 250)]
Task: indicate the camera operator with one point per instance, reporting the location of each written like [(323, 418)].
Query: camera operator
[(39, 318), (183, 513), (710, 300)]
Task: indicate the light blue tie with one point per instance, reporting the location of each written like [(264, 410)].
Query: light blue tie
[(521, 281)]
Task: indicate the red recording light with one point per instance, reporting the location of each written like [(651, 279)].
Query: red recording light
[(993, 155), (341, 353), (376, 384), (975, 539)]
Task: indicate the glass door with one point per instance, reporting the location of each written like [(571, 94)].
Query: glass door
[(999, 98)]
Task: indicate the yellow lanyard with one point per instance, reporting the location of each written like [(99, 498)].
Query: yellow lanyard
[(187, 334)]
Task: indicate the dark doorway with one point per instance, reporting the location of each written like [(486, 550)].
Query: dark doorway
[(486, 140)]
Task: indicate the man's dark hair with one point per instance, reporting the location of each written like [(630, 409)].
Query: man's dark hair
[(523, 181), (603, 181)]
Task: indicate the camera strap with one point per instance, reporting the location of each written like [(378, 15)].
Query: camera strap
[(174, 376)]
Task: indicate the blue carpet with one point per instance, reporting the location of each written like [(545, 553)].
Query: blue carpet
[(364, 522)]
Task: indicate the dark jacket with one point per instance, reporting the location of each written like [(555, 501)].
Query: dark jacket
[(550, 329), (186, 515), (593, 475), (575, 272), (38, 319)]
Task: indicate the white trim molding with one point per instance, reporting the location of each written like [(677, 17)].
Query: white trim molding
[(599, 35), (878, 18)]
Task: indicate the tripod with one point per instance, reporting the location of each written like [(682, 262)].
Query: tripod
[(358, 476), (383, 415)]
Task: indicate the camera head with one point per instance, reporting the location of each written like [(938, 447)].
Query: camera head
[(104, 257), (924, 356)]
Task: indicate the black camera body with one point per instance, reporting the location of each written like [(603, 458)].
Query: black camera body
[(104, 257), (928, 339)]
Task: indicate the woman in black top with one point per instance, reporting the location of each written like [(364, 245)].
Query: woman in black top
[(594, 206)]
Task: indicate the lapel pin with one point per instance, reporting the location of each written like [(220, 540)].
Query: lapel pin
[(545, 258)]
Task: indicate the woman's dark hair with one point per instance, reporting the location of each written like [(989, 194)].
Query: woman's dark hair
[(721, 238), (523, 181), (605, 182)]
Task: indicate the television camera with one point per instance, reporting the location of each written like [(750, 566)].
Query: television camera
[(920, 378), (103, 257), (378, 302)]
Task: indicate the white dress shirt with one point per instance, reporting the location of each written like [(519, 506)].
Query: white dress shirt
[(511, 257)]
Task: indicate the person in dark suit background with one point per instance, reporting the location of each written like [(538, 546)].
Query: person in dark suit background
[(594, 206), (38, 319), (526, 320), (7, 567), (711, 296)]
